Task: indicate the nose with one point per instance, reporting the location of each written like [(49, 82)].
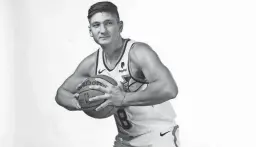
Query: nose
[(103, 29)]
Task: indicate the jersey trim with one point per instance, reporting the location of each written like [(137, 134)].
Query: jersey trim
[(124, 49), (97, 60), (174, 135)]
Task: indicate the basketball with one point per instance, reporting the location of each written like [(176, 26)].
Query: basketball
[(85, 93)]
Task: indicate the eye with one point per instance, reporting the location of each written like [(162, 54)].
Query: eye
[(95, 25), (109, 23)]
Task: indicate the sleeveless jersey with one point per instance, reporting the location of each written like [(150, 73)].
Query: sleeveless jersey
[(134, 121)]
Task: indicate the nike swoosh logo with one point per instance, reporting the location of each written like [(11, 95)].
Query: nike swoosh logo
[(162, 134), (100, 71)]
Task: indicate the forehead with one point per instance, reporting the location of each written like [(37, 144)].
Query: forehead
[(102, 16)]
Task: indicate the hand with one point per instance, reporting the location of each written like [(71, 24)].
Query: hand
[(113, 94), (80, 86), (76, 103), (76, 95)]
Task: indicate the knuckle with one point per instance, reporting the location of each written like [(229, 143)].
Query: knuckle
[(108, 95), (109, 91)]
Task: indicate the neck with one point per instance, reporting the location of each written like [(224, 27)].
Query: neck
[(113, 50)]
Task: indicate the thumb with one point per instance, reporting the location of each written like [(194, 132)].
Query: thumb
[(76, 95)]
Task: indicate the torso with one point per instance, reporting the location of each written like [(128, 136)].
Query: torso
[(134, 121)]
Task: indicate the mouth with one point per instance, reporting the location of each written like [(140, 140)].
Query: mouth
[(104, 37)]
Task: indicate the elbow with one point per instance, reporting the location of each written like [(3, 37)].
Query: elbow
[(57, 98), (171, 92), (58, 101), (174, 93)]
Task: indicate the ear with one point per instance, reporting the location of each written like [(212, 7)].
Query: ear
[(121, 25), (90, 31)]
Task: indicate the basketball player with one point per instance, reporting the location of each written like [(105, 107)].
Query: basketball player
[(145, 117)]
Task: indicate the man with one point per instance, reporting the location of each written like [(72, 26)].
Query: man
[(144, 117)]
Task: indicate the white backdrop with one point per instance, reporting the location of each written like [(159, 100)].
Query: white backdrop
[(208, 46)]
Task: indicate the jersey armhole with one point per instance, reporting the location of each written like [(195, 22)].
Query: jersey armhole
[(143, 81)]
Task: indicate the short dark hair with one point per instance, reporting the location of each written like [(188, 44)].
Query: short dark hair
[(104, 6)]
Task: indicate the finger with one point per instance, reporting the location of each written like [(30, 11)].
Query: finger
[(103, 82), (100, 97), (76, 104), (103, 105), (79, 86), (76, 95), (100, 88)]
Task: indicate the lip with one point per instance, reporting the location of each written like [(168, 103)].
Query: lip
[(105, 37)]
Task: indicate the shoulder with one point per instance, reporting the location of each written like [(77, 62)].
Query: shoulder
[(91, 58), (87, 66), (140, 47), (141, 51)]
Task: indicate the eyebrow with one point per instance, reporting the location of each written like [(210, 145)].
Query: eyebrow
[(107, 20)]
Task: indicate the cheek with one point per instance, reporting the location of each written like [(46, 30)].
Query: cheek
[(114, 31), (94, 33)]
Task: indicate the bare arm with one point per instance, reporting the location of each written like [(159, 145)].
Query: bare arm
[(65, 93), (161, 85)]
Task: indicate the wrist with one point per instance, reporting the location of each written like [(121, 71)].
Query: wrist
[(123, 103)]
